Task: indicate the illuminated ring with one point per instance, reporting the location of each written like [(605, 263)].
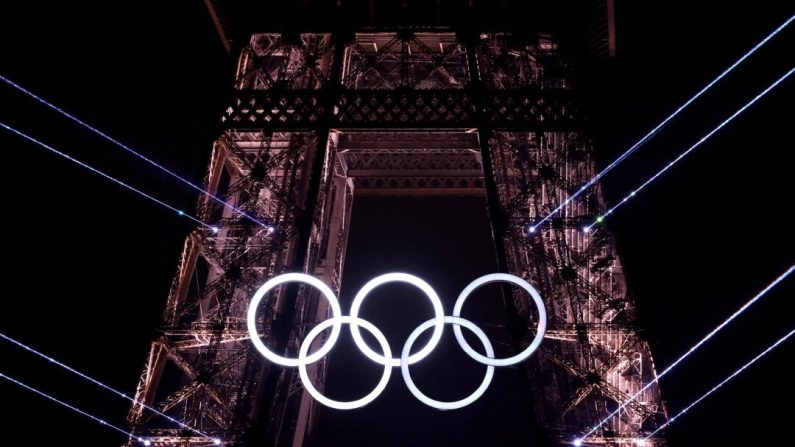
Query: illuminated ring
[(303, 360), (437, 310), (542, 319), (279, 280), (441, 405)]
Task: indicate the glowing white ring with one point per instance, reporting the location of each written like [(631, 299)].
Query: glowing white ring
[(386, 359), (416, 282), (441, 405), (542, 319), (336, 314), (303, 360)]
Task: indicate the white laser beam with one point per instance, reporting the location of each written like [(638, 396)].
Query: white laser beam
[(664, 123), (96, 382), (109, 177), (721, 384), (698, 143), (127, 148), (690, 351)]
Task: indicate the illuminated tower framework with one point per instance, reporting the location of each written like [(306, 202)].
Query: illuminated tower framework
[(320, 118)]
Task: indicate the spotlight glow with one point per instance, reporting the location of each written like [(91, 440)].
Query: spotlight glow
[(216, 441), (214, 230), (69, 406), (147, 442), (98, 383), (724, 382), (691, 148), (577, 442), (531, 229), (586, 229), (106, 176), (664, 123), (694, 348), (129, 149)]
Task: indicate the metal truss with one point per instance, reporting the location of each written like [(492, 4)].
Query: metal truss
[(405, 59), (593, 359), (202, 369), (400, 79), (408, 163), (315, 121), (272, 61), (546, 109)]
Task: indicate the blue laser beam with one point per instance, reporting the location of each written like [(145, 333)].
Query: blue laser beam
[(212, 228), (690, 351), (722, 383), (662, 124), (141, 156), (698, 143), (75, 409), (100, 384)]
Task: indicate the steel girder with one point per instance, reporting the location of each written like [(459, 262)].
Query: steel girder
[(315, 120)]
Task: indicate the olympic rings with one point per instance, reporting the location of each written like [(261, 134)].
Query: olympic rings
[(406, 358), (409, 279), (404, 365), (336, 313), (542, 319), (354, 322)]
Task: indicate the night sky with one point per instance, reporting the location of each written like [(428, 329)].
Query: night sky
[(88, 264)]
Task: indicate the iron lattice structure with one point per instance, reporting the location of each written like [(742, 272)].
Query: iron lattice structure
[(317, 119)]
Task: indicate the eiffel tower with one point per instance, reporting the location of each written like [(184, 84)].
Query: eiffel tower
[(334, 100)]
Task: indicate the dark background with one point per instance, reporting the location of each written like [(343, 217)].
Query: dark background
[(445, 241), (87, 265)]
